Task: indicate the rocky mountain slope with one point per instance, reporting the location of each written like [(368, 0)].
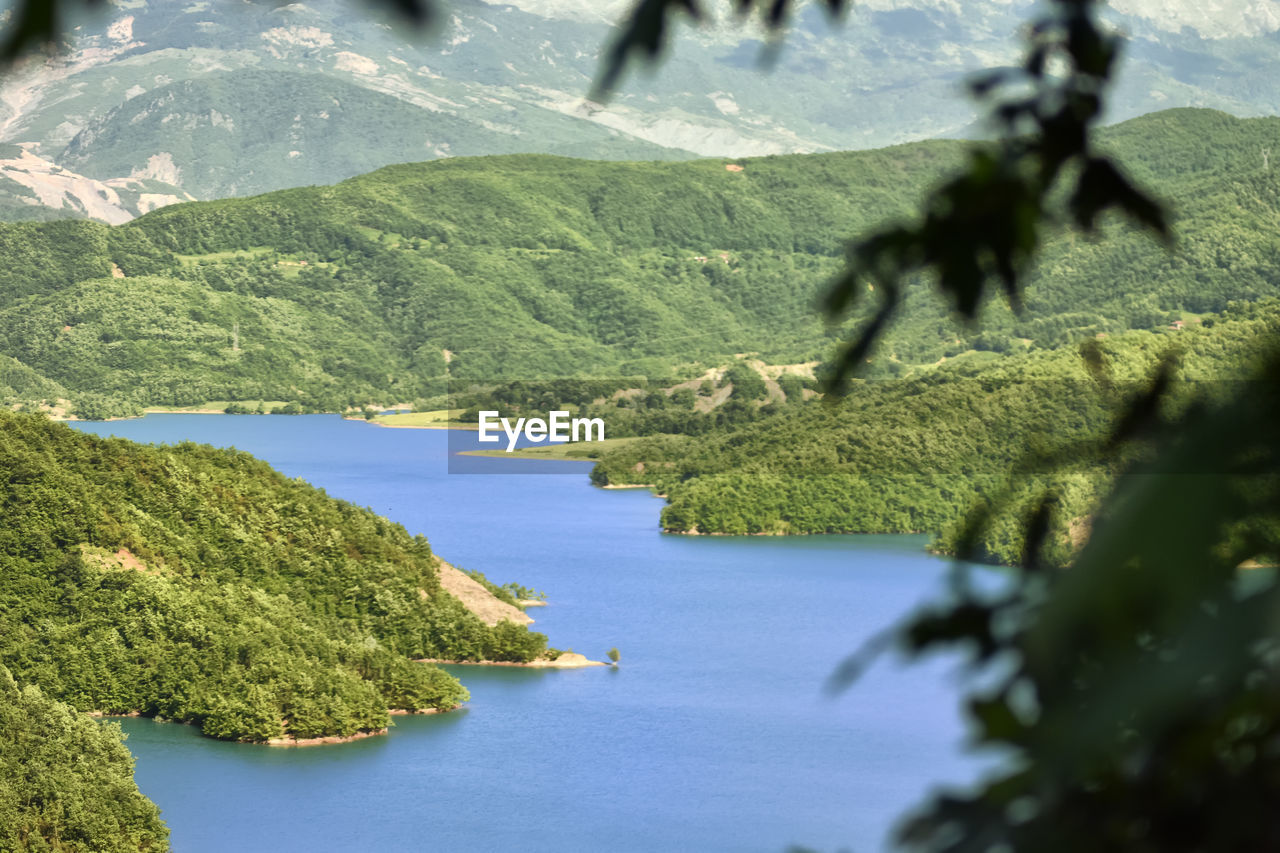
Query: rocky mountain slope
[(219, 98)]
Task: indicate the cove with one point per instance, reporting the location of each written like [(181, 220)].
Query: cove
[(714, 734)]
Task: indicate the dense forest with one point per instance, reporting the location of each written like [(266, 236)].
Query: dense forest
[(200, 585), (66, 781), (919, 453), (383, 287)]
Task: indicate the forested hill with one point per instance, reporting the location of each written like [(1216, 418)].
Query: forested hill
[(200, 585), (377, 289), (196, 585), (918, 454)]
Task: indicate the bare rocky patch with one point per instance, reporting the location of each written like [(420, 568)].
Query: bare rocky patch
[(485, 605)]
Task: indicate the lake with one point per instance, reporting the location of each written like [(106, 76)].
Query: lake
[(713, 734)]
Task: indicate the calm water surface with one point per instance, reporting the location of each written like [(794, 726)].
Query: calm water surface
[(714, 734)]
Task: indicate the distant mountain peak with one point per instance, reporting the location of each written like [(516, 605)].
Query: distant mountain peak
[(510, 76), (1210, 19)]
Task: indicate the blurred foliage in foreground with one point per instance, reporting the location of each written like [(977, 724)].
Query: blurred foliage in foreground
[(1136, 694)]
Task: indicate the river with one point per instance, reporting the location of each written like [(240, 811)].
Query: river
[(713, 734)]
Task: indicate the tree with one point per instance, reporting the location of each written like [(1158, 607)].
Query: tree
[(747, 384)]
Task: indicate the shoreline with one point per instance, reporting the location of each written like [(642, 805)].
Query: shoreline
[(290, 740), (652, 488), (440, 425), (422, 712), (409, 419), (671, 531), (62, 414), (516, 454), (318, 741), (568, 660)]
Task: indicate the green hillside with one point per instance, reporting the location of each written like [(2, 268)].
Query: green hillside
[(516, 266), (919, 453), (202, 586), (382, 287)]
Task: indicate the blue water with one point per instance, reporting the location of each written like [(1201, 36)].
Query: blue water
[(713, 734)]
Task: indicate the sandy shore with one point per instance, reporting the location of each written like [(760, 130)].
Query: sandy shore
[(401, 712), (401, 418), (319, 741), (568, 660), (440, 425), (650, 486)]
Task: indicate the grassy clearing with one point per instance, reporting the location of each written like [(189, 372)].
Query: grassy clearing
[(216, 406), (579, 450), (435, 419), (217, 257)]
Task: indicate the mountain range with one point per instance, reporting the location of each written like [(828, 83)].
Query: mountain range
[(155, 101)]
